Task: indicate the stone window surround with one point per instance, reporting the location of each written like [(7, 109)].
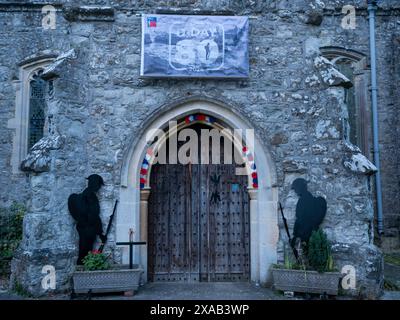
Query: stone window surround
[(20, 123), (361, 86), (133, 205)]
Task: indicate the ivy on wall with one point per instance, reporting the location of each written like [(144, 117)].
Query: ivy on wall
[(10, 233)]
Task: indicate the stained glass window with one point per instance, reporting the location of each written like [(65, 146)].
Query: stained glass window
[(37, 104)]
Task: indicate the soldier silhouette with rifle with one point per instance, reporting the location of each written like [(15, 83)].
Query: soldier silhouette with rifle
[(310, 212), (85, 209)]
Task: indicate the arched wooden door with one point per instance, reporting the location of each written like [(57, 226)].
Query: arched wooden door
[(198, 228)]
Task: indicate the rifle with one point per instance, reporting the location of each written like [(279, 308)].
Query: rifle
[(296, 255), (109, 226)]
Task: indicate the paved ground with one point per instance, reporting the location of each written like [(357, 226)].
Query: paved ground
[(4, 295), (206, 291), (177, 291), (390, 295), (201, 291)]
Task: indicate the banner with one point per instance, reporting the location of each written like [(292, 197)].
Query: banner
[(194, 46)]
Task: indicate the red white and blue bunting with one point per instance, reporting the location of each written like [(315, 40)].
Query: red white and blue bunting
[(199, 117), (144, 169), (253, 169)]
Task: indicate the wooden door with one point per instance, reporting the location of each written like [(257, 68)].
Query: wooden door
[(199, 228), (169, 224), (225, 255)]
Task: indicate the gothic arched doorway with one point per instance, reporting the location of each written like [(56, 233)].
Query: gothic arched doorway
[(136, 185)]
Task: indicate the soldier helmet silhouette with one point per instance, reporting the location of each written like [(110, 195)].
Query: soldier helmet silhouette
[(299, 186), (95, 182)]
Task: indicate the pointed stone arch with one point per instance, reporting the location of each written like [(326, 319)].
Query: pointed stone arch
[(132, 213), (245, 151)]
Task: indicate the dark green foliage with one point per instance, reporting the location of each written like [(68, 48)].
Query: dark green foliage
[(319, 252), (95, 261), (10, 233), (390, 285), (392, 259), (11, 222), (19, 290)]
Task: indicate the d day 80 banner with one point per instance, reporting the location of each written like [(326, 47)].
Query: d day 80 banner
[(194, 46)]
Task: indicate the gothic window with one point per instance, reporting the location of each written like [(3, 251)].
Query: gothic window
[(350, 131), (30, 108), (37, 103), (356, 123)]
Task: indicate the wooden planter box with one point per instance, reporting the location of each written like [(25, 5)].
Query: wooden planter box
[(115, 280), (306, 281)]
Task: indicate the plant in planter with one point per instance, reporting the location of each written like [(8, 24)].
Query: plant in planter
[(315, 272), (98, 275), (319, 252), (95, 260)]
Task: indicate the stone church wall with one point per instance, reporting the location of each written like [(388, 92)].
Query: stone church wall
[(293, 98)]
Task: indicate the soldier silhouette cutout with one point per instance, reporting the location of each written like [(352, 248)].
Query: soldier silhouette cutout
[(310, 212), (85, 209)]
